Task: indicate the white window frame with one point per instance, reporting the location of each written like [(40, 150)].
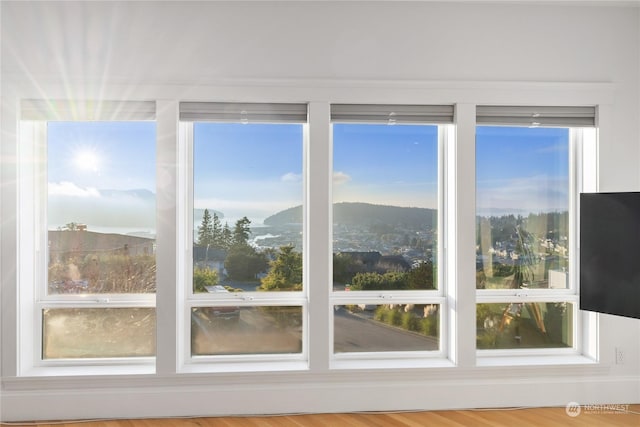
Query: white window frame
[(460, 298), (33, 254), (582, 177), (187, 299), (394, 359)]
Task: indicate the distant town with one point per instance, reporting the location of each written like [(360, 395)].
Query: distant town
[(394, 238)]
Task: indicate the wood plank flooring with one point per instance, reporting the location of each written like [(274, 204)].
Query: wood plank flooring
[(530, 417)]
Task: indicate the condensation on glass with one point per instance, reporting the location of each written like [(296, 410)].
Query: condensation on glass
[(235, 330), (89, 333)]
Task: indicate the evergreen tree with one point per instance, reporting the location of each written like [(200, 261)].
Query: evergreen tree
[(241, 232), (227, 237), (244, 263), (216, 232), (205, 230), (285, 273)]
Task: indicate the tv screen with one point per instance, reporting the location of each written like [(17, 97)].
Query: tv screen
[(610, 253)]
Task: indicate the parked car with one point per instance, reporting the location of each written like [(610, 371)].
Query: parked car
[(224, 312)]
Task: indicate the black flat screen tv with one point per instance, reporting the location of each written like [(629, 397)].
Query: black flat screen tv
[(610, 253)]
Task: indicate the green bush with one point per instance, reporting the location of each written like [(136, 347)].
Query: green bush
[(410, 321), (430, 325), (381, 314), (487, 340), (203, 277), (395, 318)]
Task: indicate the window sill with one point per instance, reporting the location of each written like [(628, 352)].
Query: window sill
[(90, 370), (238, 367), (413, 363), (535, 360)]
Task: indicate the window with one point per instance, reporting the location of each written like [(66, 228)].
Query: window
[(89, 202), (528, 175), (387, 228), (247, 230), (91, 171)]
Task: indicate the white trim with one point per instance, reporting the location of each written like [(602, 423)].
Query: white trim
[(184, 230), (570, 294), (346, 91), (461, 253), (279, 393), (167, 237), (318, 266), (32, 260), (383, 297), (188, 300)]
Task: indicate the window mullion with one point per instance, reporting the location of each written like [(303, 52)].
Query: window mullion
[(318, 259), (167, 282), (461, 238), (185, 240)]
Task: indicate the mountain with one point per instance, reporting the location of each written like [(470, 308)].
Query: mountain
[(364, 214)]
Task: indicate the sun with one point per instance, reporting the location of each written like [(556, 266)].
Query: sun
[(87, 160)]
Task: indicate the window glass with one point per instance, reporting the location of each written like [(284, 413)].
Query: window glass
[(231, 329), (247, 198), (385, 200), (522, 213), (70, 333), (386, 327), (101, 222), (524, 325), (247, 237), (101, 207)]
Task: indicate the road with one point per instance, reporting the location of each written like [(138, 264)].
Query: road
[(355, 333), (254, 332)]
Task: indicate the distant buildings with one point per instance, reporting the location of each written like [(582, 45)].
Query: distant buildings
[(375, 262), (207, 257)]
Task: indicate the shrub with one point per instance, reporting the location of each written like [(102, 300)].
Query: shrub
[(203, 277), (395, 318), (410, 321), (430, 325), (381, 314)]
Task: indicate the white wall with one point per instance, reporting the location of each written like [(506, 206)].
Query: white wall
[(180, 49)]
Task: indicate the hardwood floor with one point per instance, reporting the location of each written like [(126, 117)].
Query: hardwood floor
[(531, 417)]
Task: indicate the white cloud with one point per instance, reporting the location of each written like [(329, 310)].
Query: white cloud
[(340, 178), (291, 177)]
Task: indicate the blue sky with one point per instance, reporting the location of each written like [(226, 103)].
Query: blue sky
[(521, 170), (382, 164), (252, 170), (120, 155), (102, 174), (97, 170)]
